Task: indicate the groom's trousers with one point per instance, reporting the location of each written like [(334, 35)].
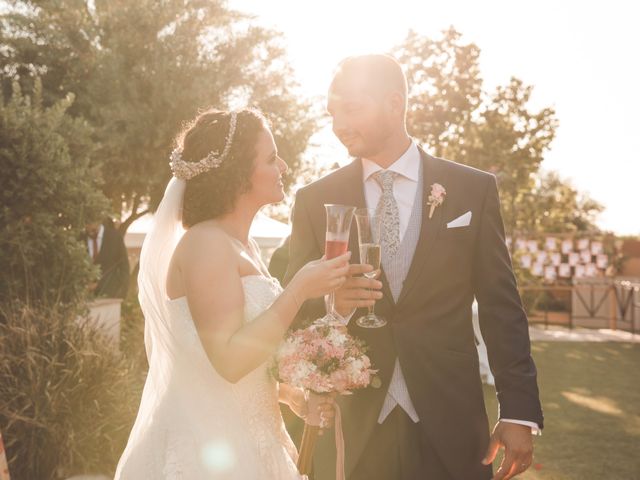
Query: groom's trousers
[(398, 451)]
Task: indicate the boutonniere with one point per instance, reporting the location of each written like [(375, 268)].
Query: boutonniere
[(436, 197)]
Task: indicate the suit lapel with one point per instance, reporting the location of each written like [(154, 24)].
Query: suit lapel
[(432, 172), (348, 191)]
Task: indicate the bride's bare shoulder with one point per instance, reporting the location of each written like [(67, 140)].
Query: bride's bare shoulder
[(206, 239)]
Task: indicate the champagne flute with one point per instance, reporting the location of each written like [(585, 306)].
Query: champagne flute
[(369, 225), (339, 219)]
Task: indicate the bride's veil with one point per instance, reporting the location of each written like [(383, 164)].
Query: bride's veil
[(157, 250)]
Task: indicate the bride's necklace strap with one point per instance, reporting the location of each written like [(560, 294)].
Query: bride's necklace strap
[(244, 246), (250, 252)]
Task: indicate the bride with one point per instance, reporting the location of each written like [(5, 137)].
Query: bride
[(214, 316)]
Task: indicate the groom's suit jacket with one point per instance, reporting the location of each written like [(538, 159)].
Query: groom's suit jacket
[(429, 328)]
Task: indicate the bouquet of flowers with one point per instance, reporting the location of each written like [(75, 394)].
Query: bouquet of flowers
[(324, 359)]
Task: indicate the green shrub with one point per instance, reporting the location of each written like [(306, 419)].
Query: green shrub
[(68, 398), (50, 190)]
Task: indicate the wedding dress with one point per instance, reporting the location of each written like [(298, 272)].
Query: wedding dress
[(192, 423)]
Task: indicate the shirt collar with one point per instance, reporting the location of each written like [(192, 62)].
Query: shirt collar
[(408, 165)]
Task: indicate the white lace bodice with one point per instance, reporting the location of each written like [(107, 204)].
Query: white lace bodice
[(207, 427), (259, 294)]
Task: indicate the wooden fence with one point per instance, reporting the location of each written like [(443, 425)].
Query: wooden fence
[(613, 304)]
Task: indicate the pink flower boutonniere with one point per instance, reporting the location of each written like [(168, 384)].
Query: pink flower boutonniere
[(436, 197)]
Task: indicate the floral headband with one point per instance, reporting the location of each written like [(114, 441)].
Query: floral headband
[(188, 170)]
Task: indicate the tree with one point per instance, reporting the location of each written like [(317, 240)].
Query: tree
[(555, 206), (50, 189), (142, 68), (444, 88), (48, 42), (510, 140), (498, 132)]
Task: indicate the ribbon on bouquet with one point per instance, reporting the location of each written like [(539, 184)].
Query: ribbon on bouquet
[(312, 426)]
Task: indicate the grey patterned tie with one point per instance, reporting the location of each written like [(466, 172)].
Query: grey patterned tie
[(388, 211)]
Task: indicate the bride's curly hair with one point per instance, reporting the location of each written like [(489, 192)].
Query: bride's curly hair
[(214, 193)]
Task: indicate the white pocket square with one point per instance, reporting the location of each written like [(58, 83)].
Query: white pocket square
[(462, 221)]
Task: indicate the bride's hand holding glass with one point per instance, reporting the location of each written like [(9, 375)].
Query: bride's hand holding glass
[(319, 278)]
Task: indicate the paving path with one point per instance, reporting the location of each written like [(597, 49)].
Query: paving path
[(562, 334)]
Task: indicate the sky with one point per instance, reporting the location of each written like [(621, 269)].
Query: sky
[(582, 57)]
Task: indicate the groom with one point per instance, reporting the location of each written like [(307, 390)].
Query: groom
[(443, 244)]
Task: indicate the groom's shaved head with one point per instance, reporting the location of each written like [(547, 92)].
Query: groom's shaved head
[(376, 74), (367, 103)]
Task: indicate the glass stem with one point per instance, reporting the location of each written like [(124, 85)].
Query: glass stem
[(371, 308), (331, 304)]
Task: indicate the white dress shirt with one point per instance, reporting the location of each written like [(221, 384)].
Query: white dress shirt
[(404, 190)]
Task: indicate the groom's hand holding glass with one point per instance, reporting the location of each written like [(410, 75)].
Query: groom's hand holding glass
[(357, 291)]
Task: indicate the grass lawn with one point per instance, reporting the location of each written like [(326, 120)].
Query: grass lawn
[(591, 400)]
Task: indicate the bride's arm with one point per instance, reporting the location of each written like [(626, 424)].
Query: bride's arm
[(216, 300)]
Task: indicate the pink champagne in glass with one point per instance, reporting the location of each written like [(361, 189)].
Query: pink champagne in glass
[(336, 243), (335, 248)]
